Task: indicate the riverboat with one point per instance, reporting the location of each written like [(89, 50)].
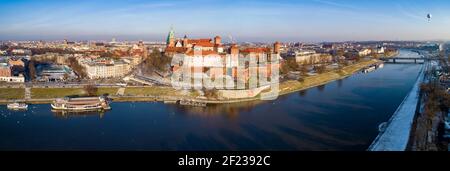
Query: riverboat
[(369, 69), (17, 106), (81, 104)]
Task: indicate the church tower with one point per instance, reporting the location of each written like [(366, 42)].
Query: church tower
[(171, 38)]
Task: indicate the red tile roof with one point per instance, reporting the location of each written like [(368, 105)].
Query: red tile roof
[(256, 50), (204, 53), (205, 44), (176, 49), (196, 41)]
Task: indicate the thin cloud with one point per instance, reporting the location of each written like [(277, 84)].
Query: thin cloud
[(145, 6), (335, 4), (411, 15)]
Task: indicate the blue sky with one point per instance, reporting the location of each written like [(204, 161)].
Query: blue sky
[(244, 20)]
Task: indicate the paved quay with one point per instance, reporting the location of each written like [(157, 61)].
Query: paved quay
[(396, 135)]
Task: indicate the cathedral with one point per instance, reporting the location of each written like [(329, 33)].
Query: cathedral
[(188, 46)]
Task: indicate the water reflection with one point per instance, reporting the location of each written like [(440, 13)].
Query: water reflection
[(70, 114), (340, 82), (230, 111), (321, 88), (303, 92)]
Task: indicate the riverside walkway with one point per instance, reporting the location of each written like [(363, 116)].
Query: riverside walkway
[(395, 136)]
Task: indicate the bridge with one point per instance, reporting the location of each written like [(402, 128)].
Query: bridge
[(407, 59)]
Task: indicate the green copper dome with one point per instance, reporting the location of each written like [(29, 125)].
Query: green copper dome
[(170, 36)]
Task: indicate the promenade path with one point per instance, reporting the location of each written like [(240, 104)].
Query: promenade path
[(396, 135)]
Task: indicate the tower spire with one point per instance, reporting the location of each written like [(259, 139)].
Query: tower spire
[(171, 36)]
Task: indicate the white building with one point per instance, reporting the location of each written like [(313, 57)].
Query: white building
[(21, 51), (6, 75), (311, 57), (365, 52), (13, 79), (380, 50), (106, 69)]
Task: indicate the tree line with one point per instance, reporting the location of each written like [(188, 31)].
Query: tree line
[(77, 68), (158, 60)]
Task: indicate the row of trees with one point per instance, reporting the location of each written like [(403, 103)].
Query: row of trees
[(91, 90), (320, 69), (291, 65), (4, 47), (436, 105), (32, 69), (77, 68), (157, 60), (211, 93), (109, 54), (352, 56), (39, 51), (438, 98)]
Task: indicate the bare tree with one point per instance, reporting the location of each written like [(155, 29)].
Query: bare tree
[(320, 69), (91, 90), (80, 70), (32, 69), (211, 93)]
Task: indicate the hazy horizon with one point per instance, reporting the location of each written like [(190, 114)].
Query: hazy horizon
[(245, 21)]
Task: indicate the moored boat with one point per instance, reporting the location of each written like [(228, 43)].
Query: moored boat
[(380, 65), (192, 103), (81, 104), (369, 69), (17, 106)]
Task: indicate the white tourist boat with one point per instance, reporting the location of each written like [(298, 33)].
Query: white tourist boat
[(369, 69), (81, 104), (17, 106), (381, 65)]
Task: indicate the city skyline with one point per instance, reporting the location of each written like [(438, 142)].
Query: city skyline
[(306, 20)]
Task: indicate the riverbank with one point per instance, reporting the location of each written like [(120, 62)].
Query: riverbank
[(324, 78), (395, 135), (428, 129), (156, 93)]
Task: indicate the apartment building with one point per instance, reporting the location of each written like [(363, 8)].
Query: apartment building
[(106, 68)]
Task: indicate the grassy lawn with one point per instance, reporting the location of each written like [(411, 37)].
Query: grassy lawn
[(110, 91), (44, 93), (150, 91), (12, 93)]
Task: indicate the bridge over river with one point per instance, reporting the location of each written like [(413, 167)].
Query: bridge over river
[(416, 60)]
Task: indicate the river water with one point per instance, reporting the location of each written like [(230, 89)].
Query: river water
[(341, 115)]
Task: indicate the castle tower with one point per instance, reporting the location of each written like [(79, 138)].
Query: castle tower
[(185, 41), (234, 50), (171, 38), (276, 47), (217, 40)]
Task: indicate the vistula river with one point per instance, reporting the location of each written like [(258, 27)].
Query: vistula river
[(341, 115)]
